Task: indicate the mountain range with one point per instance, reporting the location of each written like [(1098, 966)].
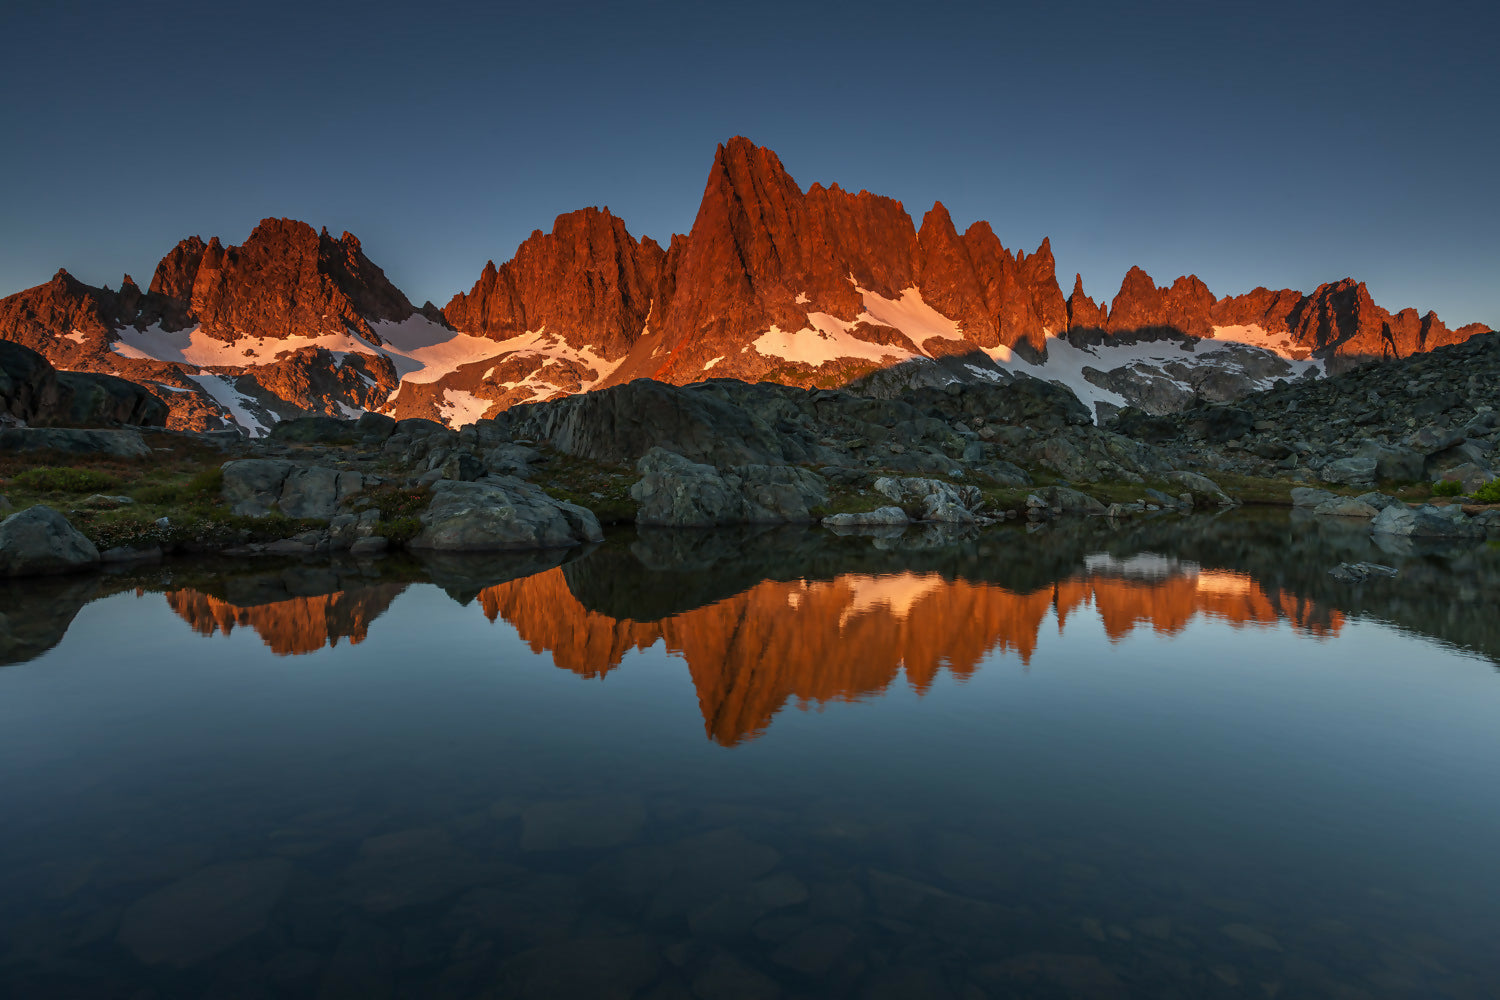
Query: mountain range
[(816, 288)]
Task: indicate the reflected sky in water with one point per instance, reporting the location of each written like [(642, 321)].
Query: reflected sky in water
[(1137, 771)]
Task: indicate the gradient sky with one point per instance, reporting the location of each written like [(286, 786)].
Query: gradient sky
[(1254, 144)]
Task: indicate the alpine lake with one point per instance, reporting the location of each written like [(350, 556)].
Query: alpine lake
[(1170, 758)]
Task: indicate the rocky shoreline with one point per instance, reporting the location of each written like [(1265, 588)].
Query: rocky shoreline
[(723, 452)]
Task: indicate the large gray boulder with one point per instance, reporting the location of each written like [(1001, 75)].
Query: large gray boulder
[(1346, 507), (1309, 496), (40, 541), (113, 443), (622, 423), (501, 513), (1353, 471), (314, 491), (1398, 464), (1426, 521), (1200, 486), (1070, 500), (878, 518), (254, 487), (676, 491)]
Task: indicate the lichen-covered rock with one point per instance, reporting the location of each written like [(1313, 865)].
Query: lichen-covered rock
[(679, 492), (938, 501), (498, 514), (39, 541)]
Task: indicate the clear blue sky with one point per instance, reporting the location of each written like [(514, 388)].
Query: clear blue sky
[(1267, 143)]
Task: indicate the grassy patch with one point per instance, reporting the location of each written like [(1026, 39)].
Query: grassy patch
[(603, 489), (1447, 488), (400, 510), (64, 479), (1489, 492)]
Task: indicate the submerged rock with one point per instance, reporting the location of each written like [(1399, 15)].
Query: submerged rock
[(1361, 571), (39, 541), (879, 517), (205, 913)]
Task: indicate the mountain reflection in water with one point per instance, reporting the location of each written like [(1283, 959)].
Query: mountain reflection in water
[(753, 643), (1168, 758)]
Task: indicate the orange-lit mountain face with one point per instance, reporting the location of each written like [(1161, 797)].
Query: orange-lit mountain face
[(816, 287), (804, 641)]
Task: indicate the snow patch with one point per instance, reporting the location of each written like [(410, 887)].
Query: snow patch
[(77, 336), (1255, 336), (712, 361), (802, 299), (461, 407), (221, 388), (828, 339), (909, 314)]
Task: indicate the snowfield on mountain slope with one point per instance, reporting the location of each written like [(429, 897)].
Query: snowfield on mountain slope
[(1253, 335), (421, 351), (828, 338), (236, 404)]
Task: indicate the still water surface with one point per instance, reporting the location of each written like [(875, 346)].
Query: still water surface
[(1170, 760)]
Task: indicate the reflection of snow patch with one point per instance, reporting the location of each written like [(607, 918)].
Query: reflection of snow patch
[(1218, 581), (1141, 566), (897, 593)]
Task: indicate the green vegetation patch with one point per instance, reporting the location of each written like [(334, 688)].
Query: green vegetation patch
[(602, 488), (1447, 488), (55, 479), (1489, 492)]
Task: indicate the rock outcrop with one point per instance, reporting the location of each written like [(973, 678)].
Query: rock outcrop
[(678, 492), (36, 394), (498, 514), (39, 541)]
